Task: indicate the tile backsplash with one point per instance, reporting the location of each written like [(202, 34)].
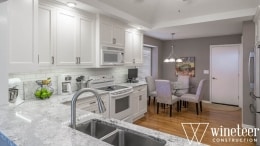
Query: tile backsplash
[(29, 85)]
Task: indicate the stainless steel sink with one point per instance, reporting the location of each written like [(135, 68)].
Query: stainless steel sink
[(95, 128), (117, 136), (128, 138)]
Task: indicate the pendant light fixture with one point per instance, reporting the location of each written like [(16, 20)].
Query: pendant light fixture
[(172, 57)]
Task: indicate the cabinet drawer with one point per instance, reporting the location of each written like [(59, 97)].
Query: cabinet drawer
[(140, 88)]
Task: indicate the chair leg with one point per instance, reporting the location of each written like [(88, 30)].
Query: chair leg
[(200, 106), (154, 99), (170, 110), (178, 106), (197, 110), (149, 99), (158, 106)]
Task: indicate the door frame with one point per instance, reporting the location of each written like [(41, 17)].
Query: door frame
[(240, 72)]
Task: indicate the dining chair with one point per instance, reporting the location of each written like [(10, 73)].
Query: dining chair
[(164, 94), (196, 98), (151, 91), (183, 84)]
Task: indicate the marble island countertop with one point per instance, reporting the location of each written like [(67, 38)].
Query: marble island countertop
[(46, 123)]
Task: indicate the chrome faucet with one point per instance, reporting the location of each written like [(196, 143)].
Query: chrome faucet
[(101, 106)]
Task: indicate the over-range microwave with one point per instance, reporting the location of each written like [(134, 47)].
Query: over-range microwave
[(112, 56)]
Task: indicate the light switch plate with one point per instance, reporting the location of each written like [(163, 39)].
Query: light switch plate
[(206, 71)]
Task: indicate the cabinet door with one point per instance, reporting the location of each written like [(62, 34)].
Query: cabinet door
[(45, 31), (142, 102), (86, 41), (66, 38), (128, 48), (137, 48), (23, 35), (119, 35), (106, 33), (135, 107)]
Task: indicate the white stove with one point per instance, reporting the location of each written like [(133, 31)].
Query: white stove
[(119, 99)]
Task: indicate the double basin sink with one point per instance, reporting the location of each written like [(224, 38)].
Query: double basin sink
[(116, 135)]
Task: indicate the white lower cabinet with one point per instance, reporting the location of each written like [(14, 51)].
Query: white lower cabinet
[(90, 104), (139, 102), (22, 35)]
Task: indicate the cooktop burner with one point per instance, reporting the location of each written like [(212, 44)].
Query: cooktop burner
[(112, 88)]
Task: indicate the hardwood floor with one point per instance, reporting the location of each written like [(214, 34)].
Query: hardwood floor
[(172, 125)]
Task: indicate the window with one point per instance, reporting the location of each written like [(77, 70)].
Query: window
[(146, 68)]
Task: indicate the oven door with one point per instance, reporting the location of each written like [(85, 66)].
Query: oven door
[(120, 106)]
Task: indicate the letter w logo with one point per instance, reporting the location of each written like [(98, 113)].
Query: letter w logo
[(193, 127)]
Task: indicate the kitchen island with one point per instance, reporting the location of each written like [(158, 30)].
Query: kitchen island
[(46, 123)]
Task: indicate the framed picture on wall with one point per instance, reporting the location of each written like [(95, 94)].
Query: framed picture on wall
[(186, 67)]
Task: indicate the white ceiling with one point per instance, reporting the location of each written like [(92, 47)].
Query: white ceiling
[(187, 18)]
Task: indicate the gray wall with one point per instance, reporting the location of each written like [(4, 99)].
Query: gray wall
[(248, 40), (156, 55), (200, 49)]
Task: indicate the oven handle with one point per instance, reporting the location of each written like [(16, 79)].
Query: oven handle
[(120, 95)]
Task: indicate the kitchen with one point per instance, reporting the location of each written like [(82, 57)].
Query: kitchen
[(64, 33)]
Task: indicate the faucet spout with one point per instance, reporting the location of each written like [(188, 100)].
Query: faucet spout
[(101, 105)]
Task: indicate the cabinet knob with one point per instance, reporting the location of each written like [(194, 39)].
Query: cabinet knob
[(140, 97), (52, 60), (114, 41)]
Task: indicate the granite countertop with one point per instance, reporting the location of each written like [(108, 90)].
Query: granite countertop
[(46, 123)]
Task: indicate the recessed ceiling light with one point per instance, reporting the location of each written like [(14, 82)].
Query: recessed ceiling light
[(71, 4)]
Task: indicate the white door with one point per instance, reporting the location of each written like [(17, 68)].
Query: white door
[(23, 35), (128, 48), (106, 33), (45, 31), (119, 35), (225, 74), (66, 38), (138, 48), (86, 41)]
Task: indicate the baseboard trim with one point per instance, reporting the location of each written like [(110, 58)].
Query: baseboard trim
[(206, 101), (247, 126)]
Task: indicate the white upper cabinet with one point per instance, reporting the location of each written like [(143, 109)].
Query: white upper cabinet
[(66, 38), (23, 35), (112, 33), (257, 25), (86, 51), (133, 47), (45, 36)]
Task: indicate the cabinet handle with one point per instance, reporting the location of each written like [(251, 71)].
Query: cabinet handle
[(114, 41), (52, 58), (140, 97), (79, 60), (134, 61), (92, 102)]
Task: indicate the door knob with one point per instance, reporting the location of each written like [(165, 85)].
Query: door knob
[(214, 78)]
